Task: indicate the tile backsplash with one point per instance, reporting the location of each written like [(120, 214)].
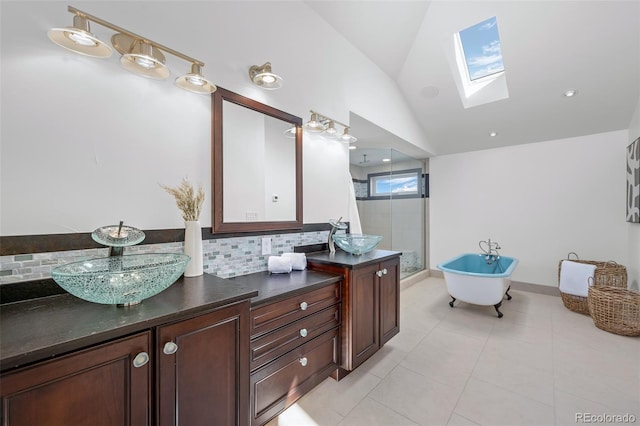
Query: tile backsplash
[(224, 257)]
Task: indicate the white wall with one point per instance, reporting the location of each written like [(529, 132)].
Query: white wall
[(633, 268), (85, 143), (539, 201)]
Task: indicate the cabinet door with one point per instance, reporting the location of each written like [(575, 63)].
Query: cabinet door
[(204, 377), (364, 315), (389, 300), (96, 386)]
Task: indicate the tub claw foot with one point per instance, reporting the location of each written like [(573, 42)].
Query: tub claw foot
[(453, 299), (496, 306), (507, 293)]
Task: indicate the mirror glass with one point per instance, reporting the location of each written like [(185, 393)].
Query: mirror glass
[(257, 168)]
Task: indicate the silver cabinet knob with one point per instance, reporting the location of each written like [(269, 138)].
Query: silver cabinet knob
[(304, 306), (304, 361), (379, 273), (170, 348), (141, 359), (384, 271), (303, 332)]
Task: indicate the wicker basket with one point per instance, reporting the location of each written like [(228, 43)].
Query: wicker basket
[(607, 274), (616, 310)]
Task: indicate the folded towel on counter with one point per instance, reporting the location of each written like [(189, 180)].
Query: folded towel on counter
[(279, 265), (298, 260), (575, 277)]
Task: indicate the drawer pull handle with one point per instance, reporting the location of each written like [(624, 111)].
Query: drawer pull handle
[(303, 332), (304, 361), (141, 359), (304, 306), (384, 271), (170, 348), (379, 273)]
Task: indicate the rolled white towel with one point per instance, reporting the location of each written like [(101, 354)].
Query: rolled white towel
[(574, 277), (279, 265), (298, 260)]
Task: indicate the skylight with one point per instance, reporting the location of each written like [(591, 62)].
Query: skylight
[(480, 44)]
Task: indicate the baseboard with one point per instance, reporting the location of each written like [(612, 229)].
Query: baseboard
[(515, 285), (415, 278), (535, 288), (436, 273)]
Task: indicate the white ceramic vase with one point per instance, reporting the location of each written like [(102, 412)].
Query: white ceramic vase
[(193, 248)]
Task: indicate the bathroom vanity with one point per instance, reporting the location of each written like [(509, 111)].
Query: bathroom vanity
[(70, 362), (232, 351), (370, 301), (294, 337)]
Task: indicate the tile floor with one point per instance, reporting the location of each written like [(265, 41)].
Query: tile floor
[(540, 364)]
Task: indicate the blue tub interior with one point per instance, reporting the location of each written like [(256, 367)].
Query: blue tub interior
[(476, 264)]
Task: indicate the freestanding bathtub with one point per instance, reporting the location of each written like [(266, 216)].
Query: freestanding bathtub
[(474, 278)]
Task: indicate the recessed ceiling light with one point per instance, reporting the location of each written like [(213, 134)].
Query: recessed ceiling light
[(492, 134), (352, 147), (386, 160), (571, 92)]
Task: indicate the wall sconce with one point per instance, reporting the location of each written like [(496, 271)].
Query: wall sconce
[(262, 76), (327, 125), (139, 54), (290, 132)]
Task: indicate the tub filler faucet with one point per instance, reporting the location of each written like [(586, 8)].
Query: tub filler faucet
[(490, 250)]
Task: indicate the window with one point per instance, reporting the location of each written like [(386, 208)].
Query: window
[(403, 183), (480, 45)]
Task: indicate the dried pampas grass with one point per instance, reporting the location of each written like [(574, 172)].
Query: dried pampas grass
[(189, 202)]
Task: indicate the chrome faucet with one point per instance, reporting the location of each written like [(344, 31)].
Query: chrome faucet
[(490, 250), (335, 226)]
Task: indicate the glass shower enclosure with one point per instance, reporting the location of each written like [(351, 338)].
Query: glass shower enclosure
[(392, 197)]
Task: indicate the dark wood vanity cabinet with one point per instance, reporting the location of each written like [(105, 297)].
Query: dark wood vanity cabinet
[(197, 373), (295, 345), (203, 369), (105, 384), (371, 307)]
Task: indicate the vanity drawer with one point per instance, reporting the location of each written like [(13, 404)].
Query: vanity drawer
[(272, 345), (280, 383), (275, 315)]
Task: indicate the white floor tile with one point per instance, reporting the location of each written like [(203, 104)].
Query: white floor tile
[(488, 404), (540, 364), (372, 413), (424, 401)]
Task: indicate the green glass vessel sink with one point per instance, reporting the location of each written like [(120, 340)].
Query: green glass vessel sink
[(121, 280), (356, 243)]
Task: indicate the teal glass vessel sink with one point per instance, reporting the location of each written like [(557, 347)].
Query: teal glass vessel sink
[(356, 243), (121, 280)]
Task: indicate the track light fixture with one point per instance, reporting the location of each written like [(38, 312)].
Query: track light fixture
[(262, 76), (139, 54), (327, 125)]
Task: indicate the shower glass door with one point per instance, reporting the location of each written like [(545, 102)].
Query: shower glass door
[(390, 193)]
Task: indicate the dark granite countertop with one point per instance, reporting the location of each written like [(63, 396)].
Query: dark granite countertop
[(351, 261), (272, 287), (38, 329)]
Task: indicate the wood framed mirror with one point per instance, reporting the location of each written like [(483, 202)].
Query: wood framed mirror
[(257, 166)]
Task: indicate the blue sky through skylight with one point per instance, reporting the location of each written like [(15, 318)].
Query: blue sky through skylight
[(481, 46)]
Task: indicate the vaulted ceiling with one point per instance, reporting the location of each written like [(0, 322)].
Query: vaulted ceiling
[(547, 47)]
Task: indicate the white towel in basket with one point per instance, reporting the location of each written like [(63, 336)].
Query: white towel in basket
[(574, 277)]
